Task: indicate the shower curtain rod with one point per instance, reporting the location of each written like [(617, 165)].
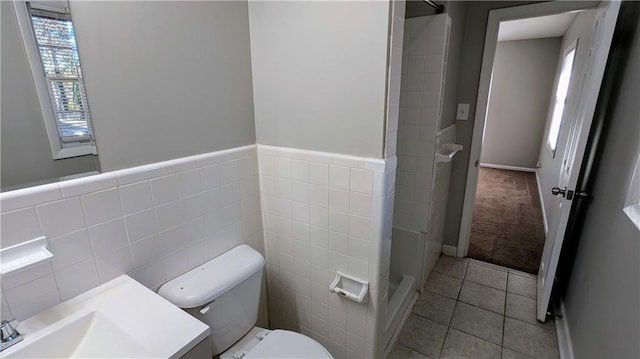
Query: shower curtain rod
[(439, 7)]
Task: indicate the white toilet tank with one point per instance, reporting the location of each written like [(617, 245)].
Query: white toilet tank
[(224, 293)]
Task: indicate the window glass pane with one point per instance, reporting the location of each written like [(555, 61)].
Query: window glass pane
[(53, 32), (72, 124), (59, 62), (560, 99), (56, 43), (66, 96)]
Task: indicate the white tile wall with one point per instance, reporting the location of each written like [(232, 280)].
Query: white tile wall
[(152, 222), (322, 213), (438, 204), (424, 59)]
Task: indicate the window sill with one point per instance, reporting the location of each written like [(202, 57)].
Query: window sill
[(75, 152)]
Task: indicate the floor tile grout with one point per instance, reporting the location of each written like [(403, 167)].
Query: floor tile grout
[(462, 280)]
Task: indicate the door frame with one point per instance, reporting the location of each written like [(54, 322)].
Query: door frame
[(491, 41)]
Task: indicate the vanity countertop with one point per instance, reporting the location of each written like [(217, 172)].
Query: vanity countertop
[(155, 327)]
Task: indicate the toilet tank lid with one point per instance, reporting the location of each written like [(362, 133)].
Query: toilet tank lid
[(207, 282)]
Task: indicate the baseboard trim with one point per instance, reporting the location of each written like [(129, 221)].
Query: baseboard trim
[(512, 168), (544, 213), (565, 346), (450, 250)]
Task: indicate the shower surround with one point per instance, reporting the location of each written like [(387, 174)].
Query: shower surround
[(422, 181)]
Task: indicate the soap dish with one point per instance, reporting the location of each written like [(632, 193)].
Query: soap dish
[(24, 255)]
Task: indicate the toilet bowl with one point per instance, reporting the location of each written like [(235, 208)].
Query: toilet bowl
[(224, 293), (263, 343)]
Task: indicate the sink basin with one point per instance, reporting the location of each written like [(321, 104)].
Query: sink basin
[(90, 336), (119, 319)]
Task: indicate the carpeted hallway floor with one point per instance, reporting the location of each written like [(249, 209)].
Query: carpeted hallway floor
[(507, 227)]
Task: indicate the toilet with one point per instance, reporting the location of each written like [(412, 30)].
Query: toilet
[(224, 293)]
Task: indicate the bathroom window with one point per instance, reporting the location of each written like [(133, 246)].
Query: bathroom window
[(632, 203), (560, 98), (50, 43)]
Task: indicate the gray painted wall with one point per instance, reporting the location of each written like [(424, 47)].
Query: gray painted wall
[(26, 156), (549, 171), (319, 74), (165, 79), (523, 76), (603, 296), (467, 92)]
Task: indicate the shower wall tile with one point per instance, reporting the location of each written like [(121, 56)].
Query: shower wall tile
[(152, 222), (438, 204), (421, 100), (338, 218)]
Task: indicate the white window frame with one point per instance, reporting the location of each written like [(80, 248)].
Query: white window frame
[(572, 47), (42, 91), (632, 203)]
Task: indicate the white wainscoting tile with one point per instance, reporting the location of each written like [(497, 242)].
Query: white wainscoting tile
[(319, 174), (339, 200), (210, 176), (151, 274), (31, 196), (282, 168), (169, 215), (179, 165), (141, 224), (300, 192), (339, 177), (300, 170), (32, 297), (165, 189), (114, 264), (361, 181), (70, 249), (139, 173), (61, 217), (136, 197), (360, 204), (101, 206), (77, 279), (19, 226), (108, 236), (189, 182), (145, 251), (84, 185), (26, 275)]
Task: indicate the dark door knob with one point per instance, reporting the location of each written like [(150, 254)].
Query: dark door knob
[(557, 191)]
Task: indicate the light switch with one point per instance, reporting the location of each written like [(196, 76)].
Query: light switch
[(463, 112)]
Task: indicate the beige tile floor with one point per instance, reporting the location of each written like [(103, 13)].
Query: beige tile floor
[(472, 309)]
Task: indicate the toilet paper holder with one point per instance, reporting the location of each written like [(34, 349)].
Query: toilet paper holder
[(349, 287)]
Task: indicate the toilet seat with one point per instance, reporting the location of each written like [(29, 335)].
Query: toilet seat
[(287, 344)]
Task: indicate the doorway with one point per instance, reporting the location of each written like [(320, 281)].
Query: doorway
[(507, 226), (559, 169)]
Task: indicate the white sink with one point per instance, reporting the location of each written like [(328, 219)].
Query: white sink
[(120, 319), (90, 336)]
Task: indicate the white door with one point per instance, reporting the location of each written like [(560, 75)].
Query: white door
[(574, 147)]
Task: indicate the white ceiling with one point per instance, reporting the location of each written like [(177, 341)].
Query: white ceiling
[(536, 27)]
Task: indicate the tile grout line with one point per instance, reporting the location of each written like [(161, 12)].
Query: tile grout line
[(457, 300), (446, 335)]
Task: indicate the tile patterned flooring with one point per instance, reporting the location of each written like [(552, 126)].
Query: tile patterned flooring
[(473, 309)]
